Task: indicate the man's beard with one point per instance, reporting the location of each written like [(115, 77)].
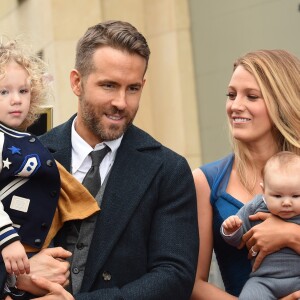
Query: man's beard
[(92, 122)]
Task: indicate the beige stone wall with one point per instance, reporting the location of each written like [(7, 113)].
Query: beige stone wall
[(221, 32), (168, 108)]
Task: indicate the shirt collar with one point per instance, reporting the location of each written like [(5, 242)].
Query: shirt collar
[(81, 149)]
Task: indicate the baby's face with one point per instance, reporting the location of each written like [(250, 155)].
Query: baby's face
[(14, 95), (282, 192)]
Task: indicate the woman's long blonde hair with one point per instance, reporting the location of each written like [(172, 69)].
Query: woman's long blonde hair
[(19, 52), (277, 73)]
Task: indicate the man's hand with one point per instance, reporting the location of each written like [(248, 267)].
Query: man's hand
[(265, 238), (54, 291), (54, 260), (49, 263)]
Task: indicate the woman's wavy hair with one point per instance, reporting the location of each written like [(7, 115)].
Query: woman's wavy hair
[(277, 73), (17, 51)]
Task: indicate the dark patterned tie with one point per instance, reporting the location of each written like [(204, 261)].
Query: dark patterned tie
[(92, 180)]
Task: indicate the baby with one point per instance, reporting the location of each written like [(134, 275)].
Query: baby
[(278, 275)]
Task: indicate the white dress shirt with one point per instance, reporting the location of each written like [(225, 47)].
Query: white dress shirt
[(81, 161)]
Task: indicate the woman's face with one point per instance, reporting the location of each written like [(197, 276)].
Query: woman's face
[(246, 109)]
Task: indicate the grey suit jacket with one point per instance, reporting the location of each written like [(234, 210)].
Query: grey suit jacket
[(146, 236)]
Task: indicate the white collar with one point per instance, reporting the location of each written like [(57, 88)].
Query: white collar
[(81, 149)]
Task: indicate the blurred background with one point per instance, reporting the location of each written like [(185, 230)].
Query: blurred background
[(193, 43)]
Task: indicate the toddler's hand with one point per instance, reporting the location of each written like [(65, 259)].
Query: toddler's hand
[(15, 259)]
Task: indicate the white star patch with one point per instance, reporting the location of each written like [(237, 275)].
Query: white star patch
[(6, 163)]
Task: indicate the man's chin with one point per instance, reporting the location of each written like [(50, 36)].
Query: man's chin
[(112, 135)]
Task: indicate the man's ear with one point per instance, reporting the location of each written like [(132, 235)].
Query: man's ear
[(75, 81)]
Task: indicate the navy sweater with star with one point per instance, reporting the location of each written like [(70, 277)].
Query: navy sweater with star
[(29, 188)]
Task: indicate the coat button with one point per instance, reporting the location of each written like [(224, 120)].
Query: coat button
[(106, 276), (75, 270), (32, 140), (80, 246), (38, 242), (44, 226), (49, 163)]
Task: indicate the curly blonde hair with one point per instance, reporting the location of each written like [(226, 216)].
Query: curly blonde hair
[(277, 73), (15, 50)]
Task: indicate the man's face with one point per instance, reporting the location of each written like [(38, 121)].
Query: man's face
[(109, 96)]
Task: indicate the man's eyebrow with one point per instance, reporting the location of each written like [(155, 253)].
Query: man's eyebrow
[(136, 83), (107, 81)]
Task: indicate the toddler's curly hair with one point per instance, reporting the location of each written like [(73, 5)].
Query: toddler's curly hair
[(17, 51)]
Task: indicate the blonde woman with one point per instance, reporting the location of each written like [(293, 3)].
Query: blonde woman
[(263, 108)]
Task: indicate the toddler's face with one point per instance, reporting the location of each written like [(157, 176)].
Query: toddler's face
[(282, 192), (14, 95)]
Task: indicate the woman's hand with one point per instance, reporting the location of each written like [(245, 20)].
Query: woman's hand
[(54, 290), (293, 296), (266, 237), (49, 263)]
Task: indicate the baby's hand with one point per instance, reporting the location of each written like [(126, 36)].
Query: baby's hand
[(15, 259), (231, 224)]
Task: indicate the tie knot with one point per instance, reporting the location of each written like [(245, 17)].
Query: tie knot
[(97, 156)]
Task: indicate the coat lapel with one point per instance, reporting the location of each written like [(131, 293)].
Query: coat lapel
[(131, 175), (58, 141)]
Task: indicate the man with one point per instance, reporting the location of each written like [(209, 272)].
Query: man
[(144, 242)]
